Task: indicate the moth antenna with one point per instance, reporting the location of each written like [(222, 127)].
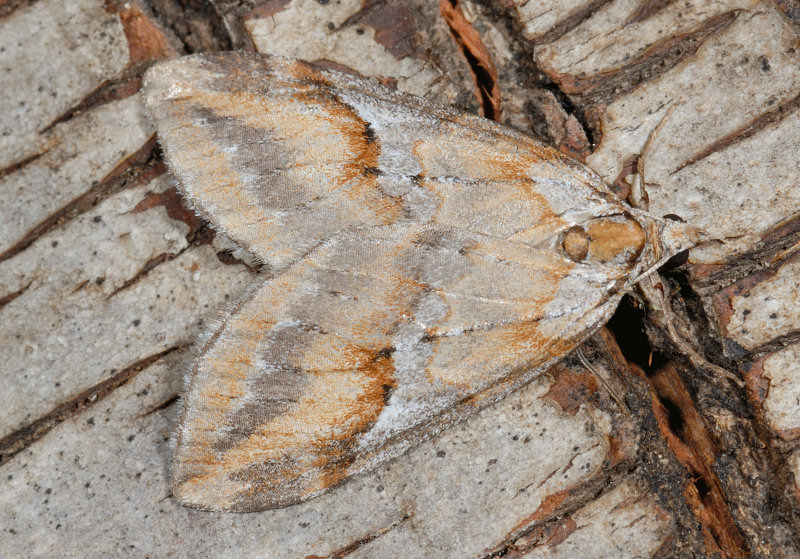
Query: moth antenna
[(657, 299), (651, 269), (640, 200), (638, 197), (596, 372), (675, 237)]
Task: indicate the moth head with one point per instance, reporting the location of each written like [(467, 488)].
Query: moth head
[(678, 236), (672, 238), (616, 239)]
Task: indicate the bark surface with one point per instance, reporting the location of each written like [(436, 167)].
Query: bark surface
[(107, 281)]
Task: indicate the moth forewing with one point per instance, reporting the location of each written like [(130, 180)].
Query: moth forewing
[(429, 263)]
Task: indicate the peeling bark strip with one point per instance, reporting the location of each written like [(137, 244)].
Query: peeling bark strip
[(22, 438), (350, 548), (148, 267), (267, 9), (567, 24), (146, 40), (8, 7), (395, 29), (687, 435), (7, 298), (14, 167), (139, 168), (659, 58), (479, 59), (174, 205), (751, 128), (199, 233), (735, 505), (646, 9), (121, 87)]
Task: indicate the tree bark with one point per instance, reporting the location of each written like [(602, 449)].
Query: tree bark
[(107, 280)]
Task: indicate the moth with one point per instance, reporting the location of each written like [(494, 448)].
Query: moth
[(425, 263)]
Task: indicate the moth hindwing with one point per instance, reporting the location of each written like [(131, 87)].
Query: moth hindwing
[(427, 262)]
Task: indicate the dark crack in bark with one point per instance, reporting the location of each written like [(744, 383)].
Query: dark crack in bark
[(24, 437)]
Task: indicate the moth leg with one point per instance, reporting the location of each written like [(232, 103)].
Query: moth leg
[(638, 197), (596, 372), (648, 287)]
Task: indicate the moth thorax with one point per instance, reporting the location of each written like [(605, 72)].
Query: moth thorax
[(613, 239)]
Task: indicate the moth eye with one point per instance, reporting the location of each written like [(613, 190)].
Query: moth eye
[(576, 243), (614, 239)]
